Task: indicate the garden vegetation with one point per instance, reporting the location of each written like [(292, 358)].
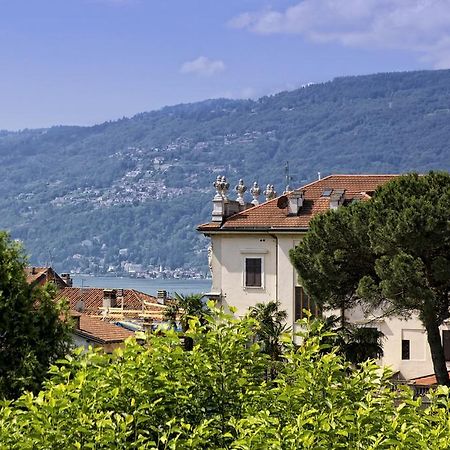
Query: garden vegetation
[(218, 396)]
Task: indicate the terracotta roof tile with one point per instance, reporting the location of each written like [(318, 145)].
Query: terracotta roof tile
[(101, 332), (42, 275), (93, 300), (428, 380), (34, 273), (269, 216)]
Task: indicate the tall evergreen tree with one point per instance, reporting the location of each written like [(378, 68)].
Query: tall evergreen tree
[(392, 253), (34, 329)]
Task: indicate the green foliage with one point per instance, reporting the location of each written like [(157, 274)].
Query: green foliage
[(392, 252), (159, 396), (334, 256), (356, 343), (34, 329), (389, 123), (269, 331), (182, 308)]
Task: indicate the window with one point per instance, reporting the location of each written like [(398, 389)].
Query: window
[(406, 350), (304, 302), (413, 344), (253, 272), (446, 344)]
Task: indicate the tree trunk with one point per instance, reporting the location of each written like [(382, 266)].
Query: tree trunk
[(342, 317), (437, 352)]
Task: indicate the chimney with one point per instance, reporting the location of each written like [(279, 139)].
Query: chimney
[(76, 320), (223, 207), (33, 270), (120, 295), (67, 279), (336, 198), (162, 296), (220, 198), (80, 305), (295, 199), (109, 298)]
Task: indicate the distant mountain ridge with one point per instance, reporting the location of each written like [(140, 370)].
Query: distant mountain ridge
[(130, 192)]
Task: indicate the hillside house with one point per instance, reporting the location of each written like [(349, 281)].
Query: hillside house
[(249, 259), (42, 275), (113, 304), (94, 332)]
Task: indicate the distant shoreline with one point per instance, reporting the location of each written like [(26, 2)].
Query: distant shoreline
[(184, 286)]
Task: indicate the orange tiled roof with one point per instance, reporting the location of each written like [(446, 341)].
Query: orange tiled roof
[(34, 273), (428, 380), (101, 332), (269, 216), (43, 275), (93, 300)]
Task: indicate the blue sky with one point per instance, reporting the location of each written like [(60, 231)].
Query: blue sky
[(86, 61)]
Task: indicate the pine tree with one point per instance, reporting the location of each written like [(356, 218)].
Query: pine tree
[(392, 252)]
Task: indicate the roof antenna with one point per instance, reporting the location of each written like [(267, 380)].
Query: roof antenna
[(288, 177), (318, 175), (50, 262)]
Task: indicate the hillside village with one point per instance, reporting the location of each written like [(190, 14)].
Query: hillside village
[(143, 183)]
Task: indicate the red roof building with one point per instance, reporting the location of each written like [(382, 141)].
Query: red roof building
[(42, 275), (275, 215), (112, 303), (92, 331), (249, 258)]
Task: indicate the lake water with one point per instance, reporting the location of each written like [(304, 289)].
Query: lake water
[(147, 285)]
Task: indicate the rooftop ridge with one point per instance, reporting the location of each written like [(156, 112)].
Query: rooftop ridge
[(306, 186), (269, 215)]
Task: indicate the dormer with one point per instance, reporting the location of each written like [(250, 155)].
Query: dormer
[(337, 198), (295, 202)]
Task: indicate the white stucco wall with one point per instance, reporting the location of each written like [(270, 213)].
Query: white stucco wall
[(229, 252), (395, 329), (279, 281)]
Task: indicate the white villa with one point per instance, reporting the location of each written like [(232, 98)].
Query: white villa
[(249, 259)]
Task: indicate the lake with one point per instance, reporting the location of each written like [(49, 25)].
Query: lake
[(147, 285)]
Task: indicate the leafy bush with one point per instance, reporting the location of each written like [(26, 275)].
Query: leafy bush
[(34, 328), (159, 396)]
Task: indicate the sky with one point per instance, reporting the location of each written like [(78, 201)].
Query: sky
[(81, 62)]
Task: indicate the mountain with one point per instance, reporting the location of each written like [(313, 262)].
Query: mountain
[(131, 191)]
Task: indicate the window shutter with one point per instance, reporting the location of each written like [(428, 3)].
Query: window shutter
[(446, 344), (253, 276), (406, 351), (304, 301)]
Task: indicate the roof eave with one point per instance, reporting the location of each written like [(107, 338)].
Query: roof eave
[(97, 339), (289, 230)]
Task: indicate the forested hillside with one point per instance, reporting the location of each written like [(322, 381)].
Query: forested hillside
[(132, 190)]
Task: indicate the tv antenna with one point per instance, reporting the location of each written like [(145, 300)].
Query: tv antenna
[(288, 177), (50, 261)]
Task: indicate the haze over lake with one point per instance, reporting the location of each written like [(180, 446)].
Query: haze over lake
[(147, 285)]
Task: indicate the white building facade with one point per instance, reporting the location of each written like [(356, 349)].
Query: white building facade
[(249, 260)]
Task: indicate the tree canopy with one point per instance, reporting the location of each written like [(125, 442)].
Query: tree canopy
[(34, 330), (391, 253), (159, 396)]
